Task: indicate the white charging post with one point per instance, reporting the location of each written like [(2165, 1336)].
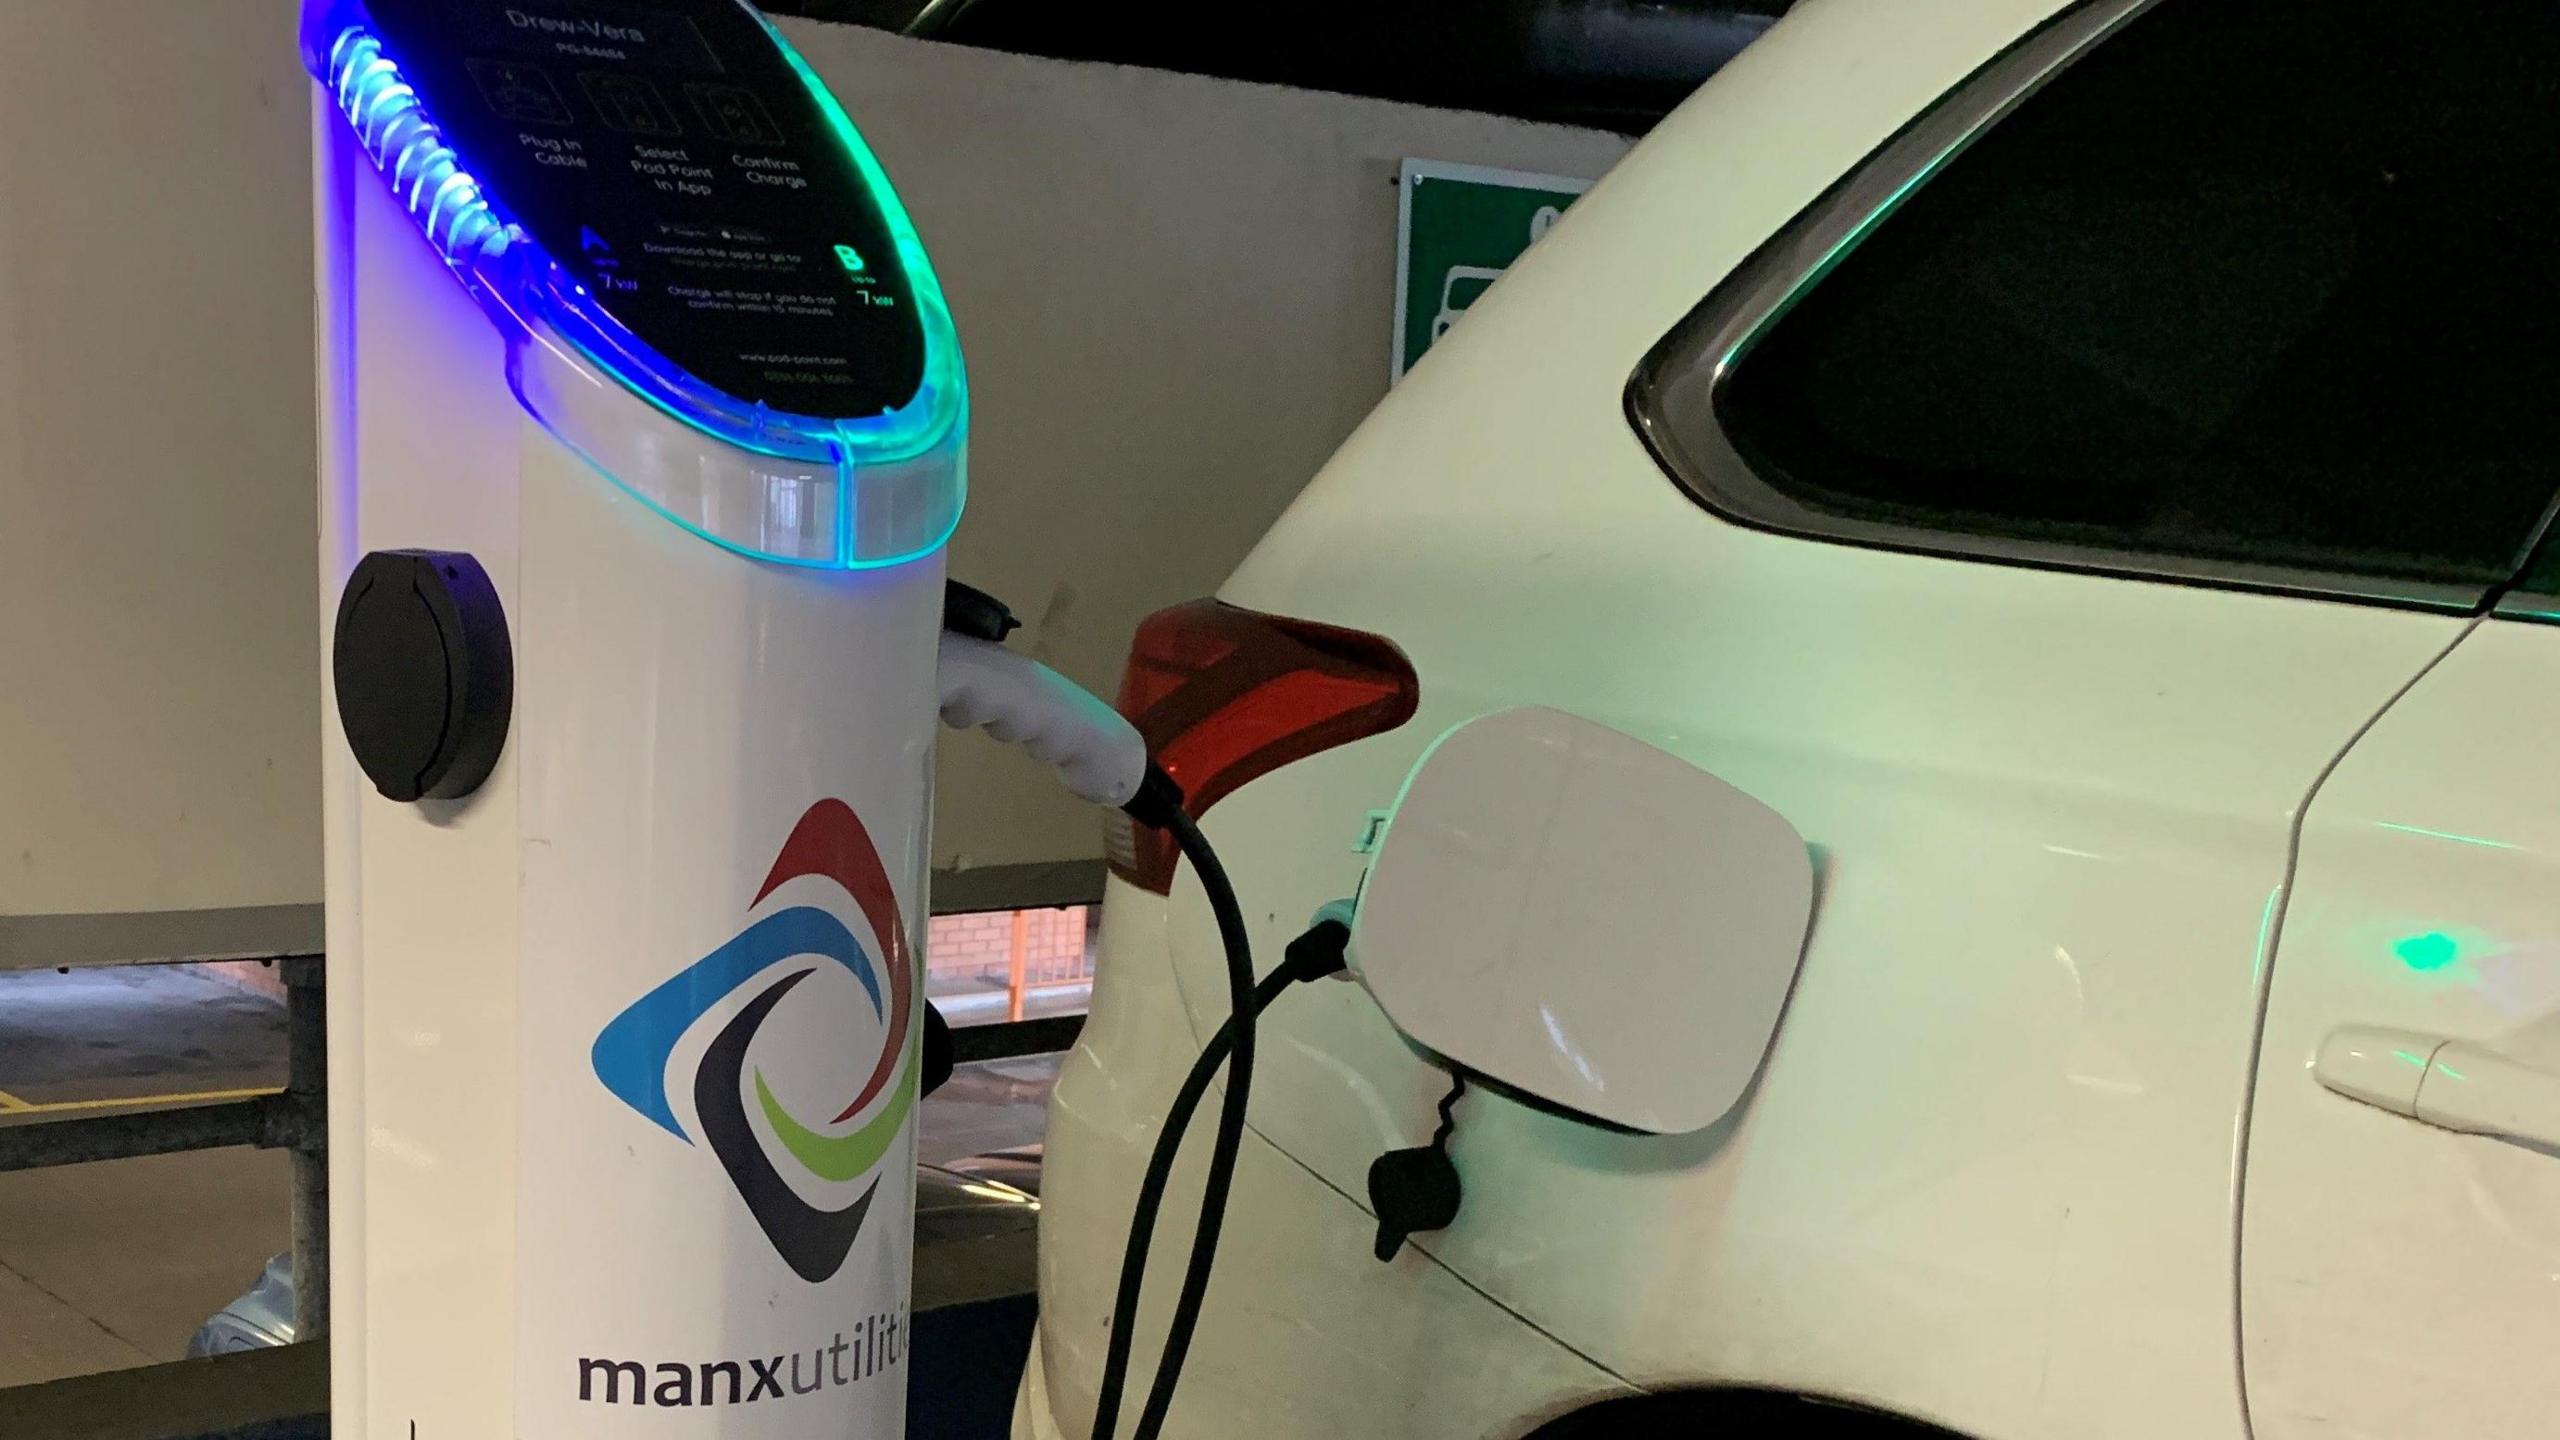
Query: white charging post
[(641, 433)]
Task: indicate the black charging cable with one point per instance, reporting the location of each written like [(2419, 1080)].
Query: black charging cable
[(1312, 956), (1016, 699)]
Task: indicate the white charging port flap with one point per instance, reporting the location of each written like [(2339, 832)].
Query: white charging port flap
[(1589, 920)]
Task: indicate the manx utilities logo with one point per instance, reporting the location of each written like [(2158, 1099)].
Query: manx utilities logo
[(632, 1053)]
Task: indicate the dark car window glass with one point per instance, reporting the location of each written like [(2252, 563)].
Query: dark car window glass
[(2258, 281)]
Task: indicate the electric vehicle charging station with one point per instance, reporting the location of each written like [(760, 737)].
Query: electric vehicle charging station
[(642, 430), (643, 424)]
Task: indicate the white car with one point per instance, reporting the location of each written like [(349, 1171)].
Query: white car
[(2087, 467)]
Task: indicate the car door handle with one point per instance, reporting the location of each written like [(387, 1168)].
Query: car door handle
[(2452, 1084)]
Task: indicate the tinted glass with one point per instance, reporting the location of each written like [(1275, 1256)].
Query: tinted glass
[(2260, 282)]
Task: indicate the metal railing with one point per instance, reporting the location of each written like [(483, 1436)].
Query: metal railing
[(295, 1118)]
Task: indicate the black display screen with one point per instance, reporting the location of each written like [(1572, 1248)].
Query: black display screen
[(672, 160)]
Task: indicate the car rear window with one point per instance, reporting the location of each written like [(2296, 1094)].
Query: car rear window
[(2255, 283)]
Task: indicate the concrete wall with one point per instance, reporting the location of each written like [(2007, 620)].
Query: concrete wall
[(159, 630), (1174, 293), (1176, 296)]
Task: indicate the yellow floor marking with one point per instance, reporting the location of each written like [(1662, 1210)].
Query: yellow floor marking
[(9, 1102), (125, 1101)]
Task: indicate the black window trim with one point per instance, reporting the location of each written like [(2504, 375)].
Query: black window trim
[(2533, 595), (1766, 285)]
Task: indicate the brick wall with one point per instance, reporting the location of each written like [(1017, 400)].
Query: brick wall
[(1057, 945), (265, 979), (961, 951)]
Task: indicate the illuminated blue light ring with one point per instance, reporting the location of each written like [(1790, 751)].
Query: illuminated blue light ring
[(529, 295)]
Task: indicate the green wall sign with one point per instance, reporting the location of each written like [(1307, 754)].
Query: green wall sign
[(1458, 227)]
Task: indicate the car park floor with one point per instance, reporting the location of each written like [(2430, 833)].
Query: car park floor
[(113, 1265)]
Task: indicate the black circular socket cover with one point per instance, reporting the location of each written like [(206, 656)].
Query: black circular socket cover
[(424, 671)]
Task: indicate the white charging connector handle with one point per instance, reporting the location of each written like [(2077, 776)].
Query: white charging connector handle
[(1022, 702)]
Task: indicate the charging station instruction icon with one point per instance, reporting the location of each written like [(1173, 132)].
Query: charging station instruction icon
[(519, 90), (733, 113)]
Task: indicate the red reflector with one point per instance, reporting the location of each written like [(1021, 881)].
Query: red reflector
[(1225, 696)]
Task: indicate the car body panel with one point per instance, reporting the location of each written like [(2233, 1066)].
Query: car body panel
[(1305, 1336), (2398, 1279), (1987, 1175), (2006, 1087)]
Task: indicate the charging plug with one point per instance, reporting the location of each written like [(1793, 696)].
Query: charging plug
[(1022, 702), (1322, 951)]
